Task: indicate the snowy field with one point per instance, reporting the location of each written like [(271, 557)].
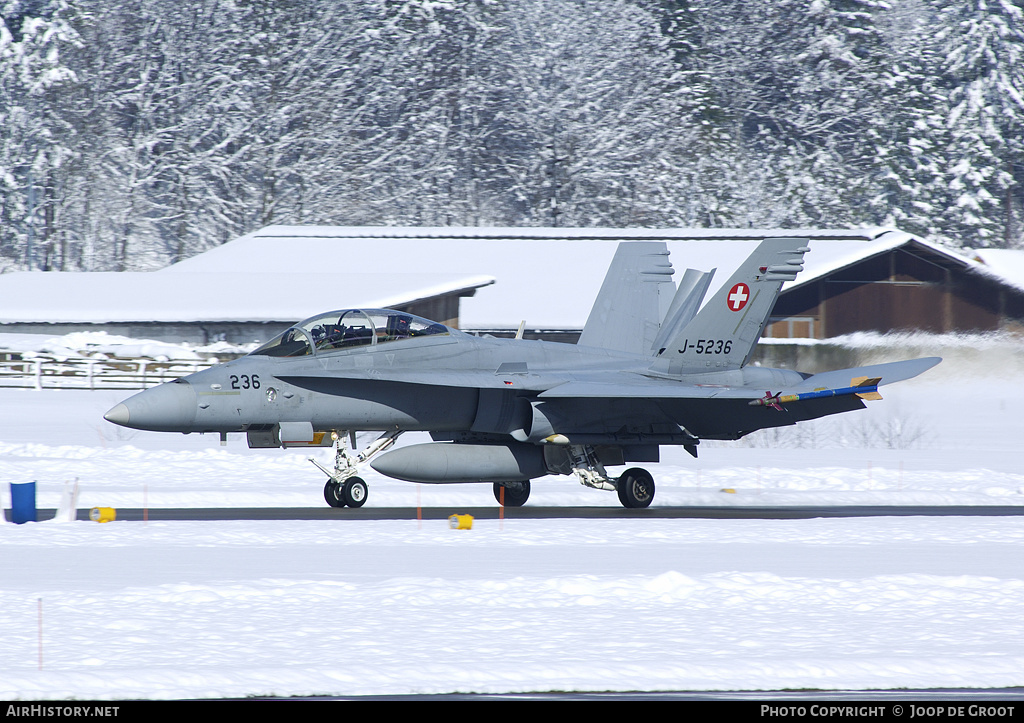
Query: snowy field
[(214, 609)]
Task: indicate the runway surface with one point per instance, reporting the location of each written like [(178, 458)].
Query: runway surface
[(540, 513), (929, 697)]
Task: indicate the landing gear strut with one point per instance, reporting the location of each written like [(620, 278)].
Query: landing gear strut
[(635, 486), (343, 487), (515, 493)]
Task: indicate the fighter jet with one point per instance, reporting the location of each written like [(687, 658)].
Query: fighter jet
[(652, 367)]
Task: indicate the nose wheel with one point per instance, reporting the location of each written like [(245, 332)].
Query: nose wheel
[(332, 493), (351, 493)]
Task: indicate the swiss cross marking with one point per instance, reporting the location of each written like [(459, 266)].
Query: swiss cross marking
[(738, 296)]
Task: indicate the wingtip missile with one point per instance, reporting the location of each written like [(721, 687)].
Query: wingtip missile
[(863, 387)]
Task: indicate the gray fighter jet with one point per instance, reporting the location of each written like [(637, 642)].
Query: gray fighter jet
[(652, 367)]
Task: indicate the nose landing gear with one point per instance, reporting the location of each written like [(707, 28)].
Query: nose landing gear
[(350, 493), (344, 488)]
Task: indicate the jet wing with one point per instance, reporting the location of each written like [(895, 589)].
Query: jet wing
[(856, 381), (620, 385), (730, 411), (889, 373), (834, 383), (645, 388)]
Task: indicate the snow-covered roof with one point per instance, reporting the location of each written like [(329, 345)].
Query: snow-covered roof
[(528, 233), (547, 276), (1005, 264), (38, 296)]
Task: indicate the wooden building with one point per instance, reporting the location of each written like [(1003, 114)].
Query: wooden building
[(898, 284)]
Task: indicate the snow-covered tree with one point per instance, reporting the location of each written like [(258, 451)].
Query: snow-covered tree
[(139, 132), (913, 149), (597, 123), (35, 141), (984, 43)]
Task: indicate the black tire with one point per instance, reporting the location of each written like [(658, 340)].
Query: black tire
[(332, 493), (355, 492), (635, 488), (516, 493)]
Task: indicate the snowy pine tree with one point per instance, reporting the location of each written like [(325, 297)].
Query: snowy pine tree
[(984, 43), (139, 132)]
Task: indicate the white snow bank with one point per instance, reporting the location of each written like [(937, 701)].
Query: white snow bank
[(176, 610), (95, 344), (218, 609)]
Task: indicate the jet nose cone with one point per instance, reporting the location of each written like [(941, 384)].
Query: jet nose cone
[(118, 415), (167, 407)]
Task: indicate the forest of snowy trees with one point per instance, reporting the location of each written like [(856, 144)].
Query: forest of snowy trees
[(135, 133)]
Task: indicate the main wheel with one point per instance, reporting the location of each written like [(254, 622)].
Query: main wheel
[(516, 493), (355, 492), (332, 493), (635, 488)]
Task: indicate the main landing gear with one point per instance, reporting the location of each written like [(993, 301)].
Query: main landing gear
[(344, 488), (512, 494), (635, 486)]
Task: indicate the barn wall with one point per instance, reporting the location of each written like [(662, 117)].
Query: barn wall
[(898, 291)]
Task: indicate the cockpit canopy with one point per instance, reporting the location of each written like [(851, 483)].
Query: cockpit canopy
[(349, 328)]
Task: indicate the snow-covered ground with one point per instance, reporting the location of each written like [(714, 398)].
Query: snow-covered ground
[(212, 609)]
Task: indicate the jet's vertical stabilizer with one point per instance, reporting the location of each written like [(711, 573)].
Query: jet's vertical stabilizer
[(627, 313), (723, 334), (692, 288)]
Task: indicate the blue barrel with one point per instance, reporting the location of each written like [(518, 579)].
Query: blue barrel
[(23, 502)]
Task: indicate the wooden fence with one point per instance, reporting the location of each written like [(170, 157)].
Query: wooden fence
[(93, 374)]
